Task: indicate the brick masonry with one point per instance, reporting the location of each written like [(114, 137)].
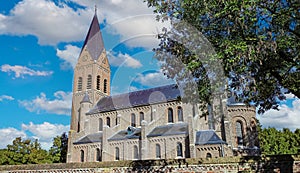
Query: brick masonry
[(274, 164)]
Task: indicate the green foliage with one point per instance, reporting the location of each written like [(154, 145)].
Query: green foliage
[(275, 142), (24, 152), (30, 152), (58, 151), (257, 42)]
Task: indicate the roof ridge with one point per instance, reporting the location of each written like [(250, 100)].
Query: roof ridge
[(148, 89)]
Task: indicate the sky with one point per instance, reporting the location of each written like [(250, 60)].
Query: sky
[(40, 41)]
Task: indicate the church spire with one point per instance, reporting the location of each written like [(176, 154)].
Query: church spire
[(93, 41)]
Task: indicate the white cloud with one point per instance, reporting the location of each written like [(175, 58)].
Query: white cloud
[(60, 105), (21, 71), (290, 96), (286, 117), (153, 79), (7, 135), (69, 55), (51, 23), (6, 97), (123, 60), (133, 20), (45, 132)]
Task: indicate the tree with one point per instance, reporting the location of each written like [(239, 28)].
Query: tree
[(273, 141), (24, 152), (58, 151), (257, 42)]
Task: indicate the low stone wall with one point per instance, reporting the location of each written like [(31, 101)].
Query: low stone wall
[(283, 164)]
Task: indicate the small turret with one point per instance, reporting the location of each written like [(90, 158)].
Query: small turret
[(85, 106), (86, 99)]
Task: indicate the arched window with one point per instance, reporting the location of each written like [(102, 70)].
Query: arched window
[(170, 115), (105, 86), (108, 121), (239, 133), (98, 82), (117, 121), (135, 152), (79, 86), (179, 150), (100, 124), (157, 151), (117, 154), (78, 127), (133, 122), (78, 122), (98, 155), (89, 82), (81, 155), (208, 155), (180, 113), (141, 117)]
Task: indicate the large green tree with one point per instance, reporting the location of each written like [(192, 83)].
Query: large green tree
[(256, 41), (58, 151), (273, 141), (24, 152)]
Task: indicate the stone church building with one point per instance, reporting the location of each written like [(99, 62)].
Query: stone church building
[(147, 124)]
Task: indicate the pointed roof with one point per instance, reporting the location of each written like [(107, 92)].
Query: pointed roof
[(93, 40), (91, 138), (86, 98), (169, 130), (205, 137), (123, 135)]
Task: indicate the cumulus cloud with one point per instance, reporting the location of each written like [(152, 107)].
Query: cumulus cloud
[(132, 20), (7, 135), (51, 23), (153, 79), (290, 96), (286, 117), (21, 71), (6, 97), (61, 104), (123, 60), (45, 132), (69, 55)]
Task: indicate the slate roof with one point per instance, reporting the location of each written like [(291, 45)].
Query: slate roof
[(123, 134), (93, 41), (207, 137), (86, 99), (137, 98), (170, 129), (91, 138)]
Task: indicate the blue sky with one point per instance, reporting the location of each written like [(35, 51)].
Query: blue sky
[(40, 43)]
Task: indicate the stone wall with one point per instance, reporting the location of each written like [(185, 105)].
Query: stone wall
[(271, 164)]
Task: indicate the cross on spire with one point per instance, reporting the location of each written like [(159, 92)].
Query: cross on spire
[(95, 9)]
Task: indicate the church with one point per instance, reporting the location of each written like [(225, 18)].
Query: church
[(147, 124)]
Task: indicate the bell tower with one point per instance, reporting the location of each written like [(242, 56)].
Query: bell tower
[(91, 78), (92, 71)]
